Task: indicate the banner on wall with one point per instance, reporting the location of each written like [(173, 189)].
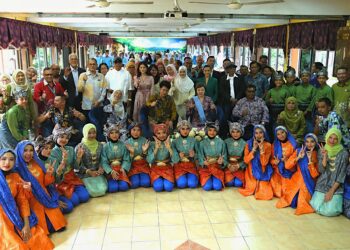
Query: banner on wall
[(153, 44)]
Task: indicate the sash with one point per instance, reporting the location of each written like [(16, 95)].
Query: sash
[(308, 180), (200, 109)]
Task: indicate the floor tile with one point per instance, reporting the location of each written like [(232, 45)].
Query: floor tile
[(170, 244), (141, 220), (66, 237), (244, 215), (120, 220), (173, 218), (252, 228), (145, 234), (94, 221), (122, 208), (190, 195), (222, 230), (238, 204), (317, 241), (87, 247), (276, 227), (215, 205), (236, 243), (169, 206), (211, 195), (193, 206), (152, 245), (90, 236), (211, 244), (288, 241), (145, 197), (173, 232), (114, 246), (63, 247), (146, 207), (260, 243), (168, 196), (203, 231), (117, 235), (196, 218), (220, 216)]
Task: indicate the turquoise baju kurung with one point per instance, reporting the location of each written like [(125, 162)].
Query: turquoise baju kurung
[(235, 153)]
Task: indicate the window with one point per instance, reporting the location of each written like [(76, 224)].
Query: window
[(276, 59), (9, 60), (244, 56), (40, 60), (326, 58)]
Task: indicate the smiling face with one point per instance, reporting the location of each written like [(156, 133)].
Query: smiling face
[(63, 140), (114, 135), (104, 70), (310, 143), (259, 134), (46, 150), (207, 72), (278, 83), (28, 153), (182, 73), (291, 105), (142, 69), (281, 135), (92, 134), (170, 71), (212, 132), (332, 140), (236, 134), (20, 78), (200, 91), (135, 132), (184, 131), (7, 161), (154, 71), (305, 78), (161, 135), (342, 75), (73, 61)]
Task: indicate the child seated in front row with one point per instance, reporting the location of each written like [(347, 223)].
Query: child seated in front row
[(212, 159), (234, 173), (138, 146), (160, 156), (184, 148)]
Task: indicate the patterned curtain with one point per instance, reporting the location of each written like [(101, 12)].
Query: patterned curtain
[(213, 40), (272, 37), (244, 38)]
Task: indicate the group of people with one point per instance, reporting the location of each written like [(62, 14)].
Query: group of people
[(79, 134)]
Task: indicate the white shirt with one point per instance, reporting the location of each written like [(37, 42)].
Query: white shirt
[(75, 74), (119, 80), (232, 86)]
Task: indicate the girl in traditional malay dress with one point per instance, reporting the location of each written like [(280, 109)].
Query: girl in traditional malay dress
[(115, 161), (283, 146), (69, 185), (333, 160), (212, 159), (160, 156), (258, 174), (90, 168), (43, 148), (184, 149), (234, 173), (299, 189), (44, 202), (19, 227), (138, 146)]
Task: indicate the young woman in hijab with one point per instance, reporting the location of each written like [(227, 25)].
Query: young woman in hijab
[(4, 81), (160, 156), (144, 83), (301, 186), (284, 147), (19, 227), (44, 202), (69, 185), (258, 174), (19, 82), (333, 159), (171, 73), (212, 159), (234, 172), (90, 168), (293, 119), (153, 71), (16, 123), (138, 146), (182, 90), (115, 160), (186, 174)]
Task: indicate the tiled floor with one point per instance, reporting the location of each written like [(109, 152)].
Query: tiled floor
[(143, 219)]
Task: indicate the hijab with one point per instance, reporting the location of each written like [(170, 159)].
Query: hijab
[(8, 203), (92, 145), (333, 150), (2, 85), (14, 85), (170, 77), (291, 115), (183, 84), (47, 200)]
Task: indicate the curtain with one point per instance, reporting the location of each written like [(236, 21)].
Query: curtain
[(213, 40), (272, 37), (320, 35), (244, 38)]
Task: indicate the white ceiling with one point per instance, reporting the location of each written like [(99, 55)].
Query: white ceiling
[(147, 20)]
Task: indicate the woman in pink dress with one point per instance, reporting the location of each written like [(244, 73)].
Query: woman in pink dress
[(144, 83)]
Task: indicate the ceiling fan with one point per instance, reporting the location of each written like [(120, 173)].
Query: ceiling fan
[(105, 3), (236, 4)]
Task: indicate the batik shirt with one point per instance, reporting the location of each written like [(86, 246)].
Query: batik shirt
[(260, 82), (89, 161), (165, 109)]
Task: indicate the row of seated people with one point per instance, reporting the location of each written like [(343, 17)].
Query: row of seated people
[(39, 182)]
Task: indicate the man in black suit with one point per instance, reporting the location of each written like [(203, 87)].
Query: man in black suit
[(69, 80), (214, 73), (231, 89)]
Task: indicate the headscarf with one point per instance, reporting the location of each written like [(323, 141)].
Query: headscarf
[(256, 164), (168, 77), (41, 141), (8, 203), (92, 145), (212, 125), (278, 151), (116, 108), (14, 86), (20, 93), (183, 123), (333, 150), (58, 131), (291, 115), (161, 126), (131, 62), (108, 128), (8, 77), (185, 84), (236, 126), (133, 125), (304, 167), (49, 201)]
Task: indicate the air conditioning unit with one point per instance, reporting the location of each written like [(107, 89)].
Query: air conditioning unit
[(175, 14)]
